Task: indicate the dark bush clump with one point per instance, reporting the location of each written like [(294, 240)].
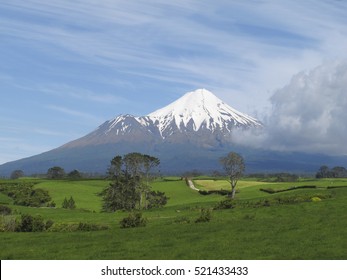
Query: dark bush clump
[(5, 210), (182, 220), (224, 204), (220, 192), (156, 199), (49, 224), (90, 227), (205, 216), (133, 220), (24, 194), (31, 224)]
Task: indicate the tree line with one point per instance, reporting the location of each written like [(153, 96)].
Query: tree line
[(335, 172)]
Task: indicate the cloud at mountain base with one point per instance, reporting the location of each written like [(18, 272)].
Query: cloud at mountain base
[(309, 114)]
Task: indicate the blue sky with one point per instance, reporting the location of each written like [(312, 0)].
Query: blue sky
[(68, 66)]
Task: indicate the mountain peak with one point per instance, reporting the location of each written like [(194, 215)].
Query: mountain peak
[(188, 102), (200, 93), (197, 117), (200, 109)]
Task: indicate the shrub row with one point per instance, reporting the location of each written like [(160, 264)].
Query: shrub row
[(336, 187), (72, 227), (221, 192), (293, 199), (272, 191), (27, 223)]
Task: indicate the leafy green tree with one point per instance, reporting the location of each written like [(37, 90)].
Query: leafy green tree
[(120, 195), (130, 182), (234, 166), (55, 172)]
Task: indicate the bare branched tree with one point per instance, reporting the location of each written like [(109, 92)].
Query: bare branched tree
[(234, 166)]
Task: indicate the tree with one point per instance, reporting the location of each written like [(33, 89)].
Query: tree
[(17, 174), (115, 170), (74, 175), (69, 204), (149, 163), (335, 172), (138, 166), (234, 166), (323, 172), (339, 172), (65, 204), (55, 172), (120, 195), (133, 164), (130, 176)]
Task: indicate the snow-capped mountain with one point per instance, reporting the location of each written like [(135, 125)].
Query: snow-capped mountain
[(195, 129), (199, 110), (198, 117)]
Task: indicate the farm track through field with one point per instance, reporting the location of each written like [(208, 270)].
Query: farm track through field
[(192, 186)]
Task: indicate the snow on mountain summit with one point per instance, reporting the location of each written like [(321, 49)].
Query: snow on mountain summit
[(200, 109)]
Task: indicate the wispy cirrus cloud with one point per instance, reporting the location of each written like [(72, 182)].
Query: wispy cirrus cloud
[(199, 41), (74, 113), (80, 93)]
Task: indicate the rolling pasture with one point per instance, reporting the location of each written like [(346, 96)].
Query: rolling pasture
[(289, 224)]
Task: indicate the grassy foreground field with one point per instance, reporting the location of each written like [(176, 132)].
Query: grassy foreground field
[(283, 225)]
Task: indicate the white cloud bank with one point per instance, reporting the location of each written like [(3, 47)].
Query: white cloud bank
[(308, 115)]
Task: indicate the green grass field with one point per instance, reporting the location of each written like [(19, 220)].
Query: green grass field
[(302, 230)]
